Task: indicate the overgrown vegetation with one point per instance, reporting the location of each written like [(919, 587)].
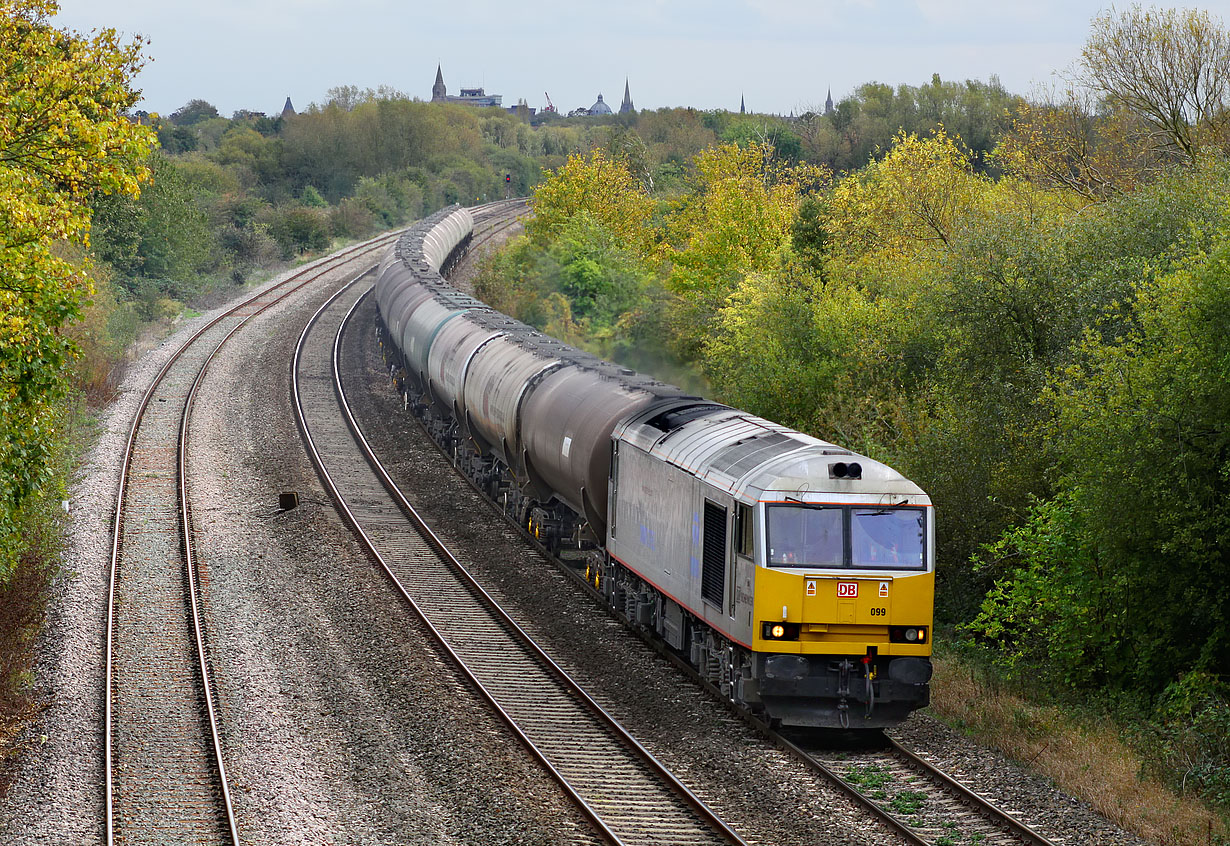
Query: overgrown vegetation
[(1034, 329), (64, 136)]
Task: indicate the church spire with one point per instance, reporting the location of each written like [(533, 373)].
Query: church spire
[(742, 106), (438, 91), (626, 106), (828, 103)]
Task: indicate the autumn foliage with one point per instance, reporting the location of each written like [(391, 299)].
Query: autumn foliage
[(64, 134)]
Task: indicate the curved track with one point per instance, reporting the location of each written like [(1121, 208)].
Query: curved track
[(629, 795), (494, 218), (165, 779)]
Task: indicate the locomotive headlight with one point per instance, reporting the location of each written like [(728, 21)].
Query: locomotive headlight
[(779, 631), (907, 634)]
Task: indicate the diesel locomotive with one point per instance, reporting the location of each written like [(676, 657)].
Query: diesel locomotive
[(795, 575)]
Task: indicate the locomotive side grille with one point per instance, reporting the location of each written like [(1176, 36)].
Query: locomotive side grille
[(713, 565)]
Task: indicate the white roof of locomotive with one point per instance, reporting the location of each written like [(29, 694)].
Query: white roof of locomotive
[(757, 459)]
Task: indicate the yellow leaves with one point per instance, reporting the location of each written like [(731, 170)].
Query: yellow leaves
[(911, 203), (740, 214), (599, 187), (63, 135), (1080, 154)]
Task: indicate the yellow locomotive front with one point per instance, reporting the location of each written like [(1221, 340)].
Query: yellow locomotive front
[(843, 608)]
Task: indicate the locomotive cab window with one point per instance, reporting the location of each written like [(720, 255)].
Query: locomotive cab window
[(743, 530), (838, 537)]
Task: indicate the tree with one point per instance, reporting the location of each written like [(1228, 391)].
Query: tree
[(1067, 145), (194, 111), (63, 135), (736, 221), (299, 229), (162, 235), (808, 235), (599, 187), (1122, 575), (912, 202), (1171, 67)]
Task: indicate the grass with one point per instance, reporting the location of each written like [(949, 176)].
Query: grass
[(1085, 756), (870, 777)]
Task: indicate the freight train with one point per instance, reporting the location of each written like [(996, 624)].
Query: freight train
[(793, 574)]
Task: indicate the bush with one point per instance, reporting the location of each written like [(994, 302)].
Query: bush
[(23, 598), (351, 218), (1190, 748), (298, 229)]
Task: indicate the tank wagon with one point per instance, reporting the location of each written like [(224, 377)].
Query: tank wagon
[(795, 575)]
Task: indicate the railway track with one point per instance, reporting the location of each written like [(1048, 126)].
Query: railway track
[(911, 796), (914, 797), (165, 777), (627, 794), (494, 218)]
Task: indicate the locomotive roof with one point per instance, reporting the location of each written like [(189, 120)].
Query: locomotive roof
[(754, 458)]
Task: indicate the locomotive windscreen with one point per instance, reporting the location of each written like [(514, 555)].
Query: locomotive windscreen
[(838, 537)]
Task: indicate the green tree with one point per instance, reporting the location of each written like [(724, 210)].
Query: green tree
[(1125, 567), (192, 112), (162, 235), (298, 229)]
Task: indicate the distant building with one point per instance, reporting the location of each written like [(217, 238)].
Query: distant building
[(828, 103), (600, 108), (438, 91), (468, 96), (742, 106), (626, 106), (288, 110)]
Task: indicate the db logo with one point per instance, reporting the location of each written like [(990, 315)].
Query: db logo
[(847, 590)]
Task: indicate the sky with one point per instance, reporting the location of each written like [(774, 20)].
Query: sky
[(781, 56)]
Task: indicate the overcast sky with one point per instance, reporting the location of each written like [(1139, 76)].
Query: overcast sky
[(782, 55)]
